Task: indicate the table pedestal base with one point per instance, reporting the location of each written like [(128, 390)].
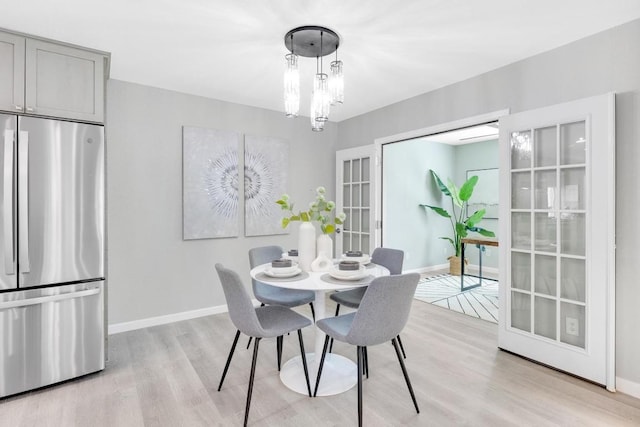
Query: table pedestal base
[(339, 374)]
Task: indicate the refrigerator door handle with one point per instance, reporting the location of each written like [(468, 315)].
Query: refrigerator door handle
[(7, 203), (51, 298), (23, 201)]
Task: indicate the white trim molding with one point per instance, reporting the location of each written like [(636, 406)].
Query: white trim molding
[(117, 328), (628, 387)]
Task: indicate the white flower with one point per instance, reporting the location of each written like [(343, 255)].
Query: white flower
[(321, 190), (331, 205), (342, 216), (285, 197)]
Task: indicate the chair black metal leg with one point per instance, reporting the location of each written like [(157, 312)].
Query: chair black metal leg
[(360, 363), (401, 346), (324, 353), (226, 366), (331, 346), (304, 361), (406, 376), (251, 376), (279, 350), (366, 361), (313, 312)]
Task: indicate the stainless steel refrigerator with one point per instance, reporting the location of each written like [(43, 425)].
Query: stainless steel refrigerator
[(51, 251)]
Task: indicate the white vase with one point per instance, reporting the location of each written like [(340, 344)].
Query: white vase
[(324, 243), (306, 245), (322, 263)]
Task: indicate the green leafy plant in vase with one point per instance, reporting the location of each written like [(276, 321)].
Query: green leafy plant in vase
[(321, 211), (461, 224)]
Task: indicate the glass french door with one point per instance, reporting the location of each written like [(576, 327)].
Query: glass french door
[(354, 197), (557, 201)]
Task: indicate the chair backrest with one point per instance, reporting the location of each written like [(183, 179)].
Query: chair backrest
[(390, 258), (384, 309), (262, 255), (241, 310)]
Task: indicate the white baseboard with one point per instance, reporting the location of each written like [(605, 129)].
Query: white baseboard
[(470, 267), (628, 387), (427, 269), (116, 328)]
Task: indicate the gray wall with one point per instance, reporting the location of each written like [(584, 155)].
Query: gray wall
[(407, 183), (151, 270), (608, 61)]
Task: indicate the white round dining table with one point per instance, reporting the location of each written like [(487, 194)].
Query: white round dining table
[(339, 373)]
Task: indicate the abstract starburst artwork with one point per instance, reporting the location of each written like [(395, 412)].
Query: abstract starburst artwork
[(266, 168), (210, 183)]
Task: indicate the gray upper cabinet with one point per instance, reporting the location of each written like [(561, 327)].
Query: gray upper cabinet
[(11, 72), (43, 78)]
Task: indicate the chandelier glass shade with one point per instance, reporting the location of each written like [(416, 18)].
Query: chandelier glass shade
[(327, 90)]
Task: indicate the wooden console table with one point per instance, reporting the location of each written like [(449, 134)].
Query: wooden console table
[(479, 241)]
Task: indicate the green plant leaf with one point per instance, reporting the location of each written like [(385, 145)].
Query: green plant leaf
[(449, 239), (294, 218), (337, 220), (467, 188), (281, 202), (455, 193), (445, 190), (475, 218), (438, 210), (484, 232), (461, 229), (304, 216), (285, 222)]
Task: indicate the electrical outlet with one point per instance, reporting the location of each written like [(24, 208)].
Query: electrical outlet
[(572, 326)]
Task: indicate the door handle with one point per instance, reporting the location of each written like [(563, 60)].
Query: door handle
[(7, 202), (49, 298), (23, 201)]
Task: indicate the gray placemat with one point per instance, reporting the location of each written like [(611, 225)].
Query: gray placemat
[(370, 265), (365, 280), (263, 277)]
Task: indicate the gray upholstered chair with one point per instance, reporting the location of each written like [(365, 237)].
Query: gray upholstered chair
[(392, 259), (383, 313), (271, 321), (272, 295)]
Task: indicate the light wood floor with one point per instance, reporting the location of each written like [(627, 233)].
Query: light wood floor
[(168, 376)]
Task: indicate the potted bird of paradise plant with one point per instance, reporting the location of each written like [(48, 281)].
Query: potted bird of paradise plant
[(461, 223)]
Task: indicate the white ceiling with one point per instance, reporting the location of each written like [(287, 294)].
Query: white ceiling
[(233, 50)]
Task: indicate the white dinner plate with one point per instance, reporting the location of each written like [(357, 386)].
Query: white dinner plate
[(271, 273), (348, 274)]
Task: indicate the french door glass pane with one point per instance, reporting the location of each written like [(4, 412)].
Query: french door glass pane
[(545, 317), (545, 189), (365, 169), (545, 232), (355, 220), (572, 231), (521, 150), (572, 327), (365, 243), (365, 195), (346, 241), (347, 221), (521, 230), (356, 170), (521, 311), (346, 171), (355, 196), (572, 183), (521, 190), (573, 279), (346, 196), (545, 277), (573, 147), (365, 221), (545, 147), (521, 271)]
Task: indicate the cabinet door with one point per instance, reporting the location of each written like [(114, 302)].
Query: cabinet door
[(64, 82), (11, 72)]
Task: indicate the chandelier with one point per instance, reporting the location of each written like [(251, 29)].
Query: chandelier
[(313, 41)]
